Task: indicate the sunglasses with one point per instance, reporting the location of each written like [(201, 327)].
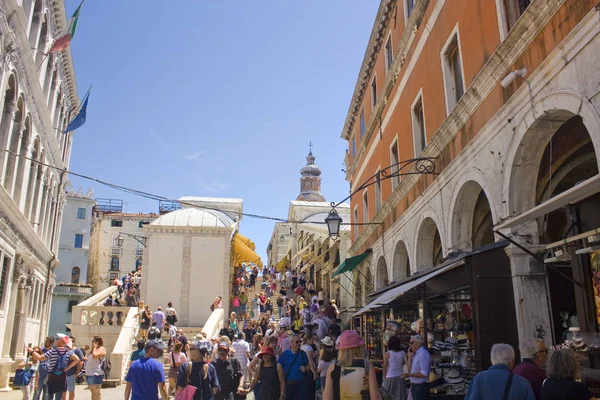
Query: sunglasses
[(298, 341)]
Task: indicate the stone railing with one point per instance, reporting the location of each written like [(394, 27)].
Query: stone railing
[(214, 323), (92, 311), (59, 289), (123, 347)]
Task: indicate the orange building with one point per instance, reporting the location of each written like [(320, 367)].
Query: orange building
[(503, 96)]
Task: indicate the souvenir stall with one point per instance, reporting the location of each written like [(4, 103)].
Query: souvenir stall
[(462, 307)]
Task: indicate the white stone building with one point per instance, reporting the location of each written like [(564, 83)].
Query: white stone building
[(73, 250), (188, 258), (107, 260), (37, 95)]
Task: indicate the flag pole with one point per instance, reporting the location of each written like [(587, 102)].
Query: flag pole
[(79, 109)]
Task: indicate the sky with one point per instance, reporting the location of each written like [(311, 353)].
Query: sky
[(216, 98)]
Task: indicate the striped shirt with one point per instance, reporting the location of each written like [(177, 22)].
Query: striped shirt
[(53, 354)]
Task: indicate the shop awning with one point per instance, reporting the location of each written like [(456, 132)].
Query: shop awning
[(246, 241), (577, 193), (350, 263), (243, 253), (392, 294), (283, 263)]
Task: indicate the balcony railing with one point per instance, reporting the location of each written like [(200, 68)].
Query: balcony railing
[(139, 252), (116, 251), (67, 289)]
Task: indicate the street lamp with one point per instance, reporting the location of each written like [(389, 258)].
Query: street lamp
[(119, 240), (333, 222)]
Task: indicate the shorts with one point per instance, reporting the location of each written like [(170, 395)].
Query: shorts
[(95, 379), (71, 381)]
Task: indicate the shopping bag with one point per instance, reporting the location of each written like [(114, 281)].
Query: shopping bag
[(23, 376), (187, 393)]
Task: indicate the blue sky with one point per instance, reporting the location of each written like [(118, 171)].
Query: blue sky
[(217, 98)]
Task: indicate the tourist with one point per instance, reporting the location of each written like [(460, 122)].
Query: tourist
[(171, 314), (74, 371), (255, 345), (563, 378), (498, 382), (299, 292), (145, 317), (181, 338), (233, 322), (30, 367), (229, 374), (264, 322), (226, 330), (321, 298), (535, 355), (154, 333), (270, 375), (295, 364), (330, 311), (235, 303), (243, 302), (202, 374), (294, 280), (176, 359), (139, 353), (60, 359), (393, 367), (159, 317), (280, 302), (351, 367), (93, 367), (253, 367), (263, 300), (42, 372), (288, 278), (321, 325), (308, 342), (297, 324), (325, 360), (419, 365), (268, 306), (334, 329), (314, 308), (250, 330), (146, 376), (171, 330), (242, 354), (256, 306)]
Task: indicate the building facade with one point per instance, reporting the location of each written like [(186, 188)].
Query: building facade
[(38, 94), (73, 251), (107, 260), (502, 95)]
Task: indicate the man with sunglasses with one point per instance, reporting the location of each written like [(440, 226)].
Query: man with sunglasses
[(535, 355), (295, 366), (229, 374)]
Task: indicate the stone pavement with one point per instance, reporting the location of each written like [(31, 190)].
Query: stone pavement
[(83, 393)]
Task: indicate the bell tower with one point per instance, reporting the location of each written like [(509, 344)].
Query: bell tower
[(310, 182)]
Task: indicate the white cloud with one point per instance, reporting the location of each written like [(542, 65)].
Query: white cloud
[(194, 156), (212, 186)]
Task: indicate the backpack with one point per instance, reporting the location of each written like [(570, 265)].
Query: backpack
[(106, 366), (212, 307), (153, 333), (61, 363), (336, 376)]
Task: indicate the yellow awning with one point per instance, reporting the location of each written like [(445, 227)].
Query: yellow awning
[(283, 263), (246, 241), (243, 253)]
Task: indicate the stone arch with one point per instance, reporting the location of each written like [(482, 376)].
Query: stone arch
[(35, 153), (400, 262), (35, 22), (381, 276), (23, 161), (9, 101), (429, 248), (531, 136), (37, 187), (42, 42), (472, 219), (13, 146)]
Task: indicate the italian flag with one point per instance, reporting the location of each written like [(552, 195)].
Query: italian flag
[(63, 40)]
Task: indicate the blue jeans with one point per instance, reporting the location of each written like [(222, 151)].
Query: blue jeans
[(243, 309), (297, 391), (41, 388), (419, 391)]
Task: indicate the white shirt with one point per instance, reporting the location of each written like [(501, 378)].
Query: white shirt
[(288, 275), (421, 362), (322, 330), (242, 348), (285, 321), (173, 331)]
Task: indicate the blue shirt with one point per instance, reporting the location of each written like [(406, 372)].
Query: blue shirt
[(136, 355), (490, 384), (421, 363), (291, 363), (144, 375)]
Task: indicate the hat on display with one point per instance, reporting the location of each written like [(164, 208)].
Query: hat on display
[(454, 377), (65, 339), (327, 341), (266, 350), (430, 337), (349, 339), (438, 344), (416, 326), (451, 342), (157, 344)]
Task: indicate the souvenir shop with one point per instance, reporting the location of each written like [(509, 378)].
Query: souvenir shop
[(462, 307)]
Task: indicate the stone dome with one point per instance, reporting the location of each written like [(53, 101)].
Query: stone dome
[(195, 218)]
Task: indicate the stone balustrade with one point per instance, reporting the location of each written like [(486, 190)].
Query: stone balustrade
[(123, 347)]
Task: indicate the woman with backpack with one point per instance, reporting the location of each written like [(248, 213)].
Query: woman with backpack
[(145, 318), (351, 375), (95, 366)]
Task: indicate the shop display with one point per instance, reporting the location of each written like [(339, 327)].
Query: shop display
[(373, 334)]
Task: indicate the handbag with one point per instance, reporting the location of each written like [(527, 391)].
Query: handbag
[(23, 375), (188, 391)]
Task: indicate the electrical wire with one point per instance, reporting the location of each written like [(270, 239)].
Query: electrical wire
[(156, 197)]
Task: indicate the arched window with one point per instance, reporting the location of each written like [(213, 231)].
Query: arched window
[(138, 264), (75, 273), (114, 264)]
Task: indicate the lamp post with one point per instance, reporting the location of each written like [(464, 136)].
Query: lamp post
[(120, 239), (333, 221)]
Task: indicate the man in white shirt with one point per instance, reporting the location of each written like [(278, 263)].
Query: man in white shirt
[(285, 321), (420, 359), (288, 278), (172, 330), (322, 328), (242, 353)]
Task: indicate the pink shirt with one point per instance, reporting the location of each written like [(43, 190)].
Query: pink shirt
[(179, 358), (236, 302)]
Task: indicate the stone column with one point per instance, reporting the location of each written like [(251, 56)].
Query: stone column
[(531, 296), (18, 334), (186, 271), (5, 129)]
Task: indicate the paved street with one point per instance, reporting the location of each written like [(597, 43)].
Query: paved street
[(83, 393)]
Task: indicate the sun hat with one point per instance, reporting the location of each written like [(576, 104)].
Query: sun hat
[(65, 339), (199, 336), (327, 341), (266, 350), (349, 339), (157, 344), (454, 377)]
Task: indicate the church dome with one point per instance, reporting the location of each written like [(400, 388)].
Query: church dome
[(195, 218)]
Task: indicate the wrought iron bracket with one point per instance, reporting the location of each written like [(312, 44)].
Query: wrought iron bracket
[(422, 166), (140, 239)]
